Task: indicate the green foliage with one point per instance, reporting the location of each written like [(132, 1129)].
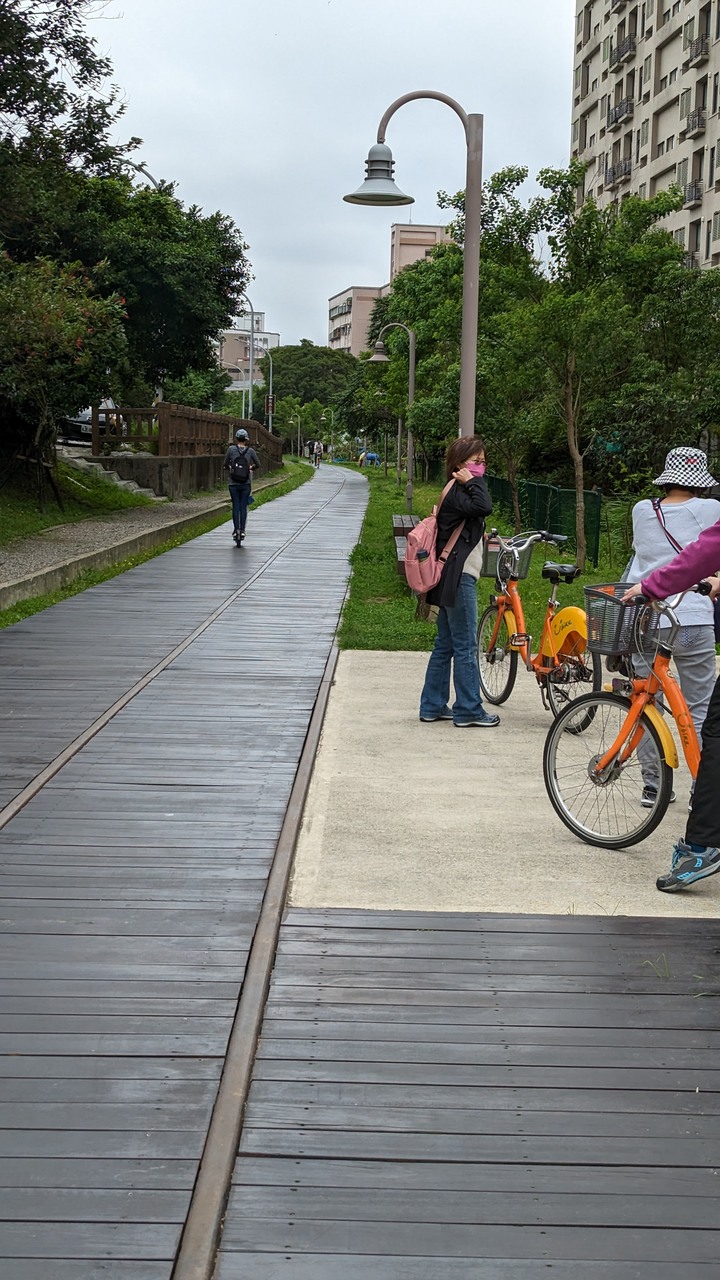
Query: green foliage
[(309, 372), (203, 389), (84, 495), (57, 339)]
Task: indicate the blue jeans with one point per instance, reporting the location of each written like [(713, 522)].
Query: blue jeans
[(456, 644), (240, 494)]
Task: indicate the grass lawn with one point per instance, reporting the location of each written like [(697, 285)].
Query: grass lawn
[(380, 611), (83, 493), (296, 473)]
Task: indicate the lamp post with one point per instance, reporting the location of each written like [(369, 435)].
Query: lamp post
[(380, 356), (323, 418), (296, 418), (270, 391), (379, 189), (140, 168), (252, 351)]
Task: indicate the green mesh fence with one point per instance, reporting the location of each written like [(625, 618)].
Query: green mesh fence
[(546, 506)]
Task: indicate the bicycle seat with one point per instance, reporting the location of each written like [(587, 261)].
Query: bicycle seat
[(553, 571)]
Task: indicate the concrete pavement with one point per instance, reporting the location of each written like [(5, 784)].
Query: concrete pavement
[(404, 815)]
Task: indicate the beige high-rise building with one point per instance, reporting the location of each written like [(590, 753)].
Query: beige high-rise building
[(349, 312), (645, 109)]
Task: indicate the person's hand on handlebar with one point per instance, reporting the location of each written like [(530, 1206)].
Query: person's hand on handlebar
[(714, 586), (631, 593)]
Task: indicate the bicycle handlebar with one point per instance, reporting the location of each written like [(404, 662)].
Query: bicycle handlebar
[(521, 541)]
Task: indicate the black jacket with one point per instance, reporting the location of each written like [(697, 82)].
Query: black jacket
[(469, 502)]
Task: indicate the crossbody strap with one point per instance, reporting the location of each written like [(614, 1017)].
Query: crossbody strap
[(661, 517), (456, 532)]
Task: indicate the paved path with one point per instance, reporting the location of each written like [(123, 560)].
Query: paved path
[(132, 881)]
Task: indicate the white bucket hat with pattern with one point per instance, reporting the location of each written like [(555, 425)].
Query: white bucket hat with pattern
[(686, 467)]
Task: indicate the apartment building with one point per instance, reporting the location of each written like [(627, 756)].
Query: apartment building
[(349, 312), (645, 109), (233, 349)]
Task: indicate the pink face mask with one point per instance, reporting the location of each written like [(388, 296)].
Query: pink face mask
[(476, 468)]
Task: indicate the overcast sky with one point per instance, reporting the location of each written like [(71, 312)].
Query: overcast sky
[(266, 110)]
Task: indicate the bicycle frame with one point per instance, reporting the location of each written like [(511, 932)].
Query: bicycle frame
[(546, 659), (642, 694)]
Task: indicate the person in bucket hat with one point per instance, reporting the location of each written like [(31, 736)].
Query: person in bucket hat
[(661, 528)]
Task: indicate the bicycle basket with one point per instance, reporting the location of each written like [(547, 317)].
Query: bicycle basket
[(615, 629), (494, 558)]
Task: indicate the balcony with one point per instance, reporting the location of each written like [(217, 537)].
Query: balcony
[(617, 5), (691, 261), (619, 172), (693, 193), (621, 111), (698, 51), (627, 49), (695, 124)]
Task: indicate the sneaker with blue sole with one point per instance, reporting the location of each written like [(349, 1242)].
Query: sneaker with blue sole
[(484, 721), (445, 714), (689, 864)]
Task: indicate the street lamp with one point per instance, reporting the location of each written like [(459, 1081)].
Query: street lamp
[(323, 418), (252, 350), (296, 418), (270, 391), (379, 189), (140, 168), (380, 356)]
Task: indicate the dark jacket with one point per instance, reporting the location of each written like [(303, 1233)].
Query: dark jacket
[(469, 502), (253, 461)]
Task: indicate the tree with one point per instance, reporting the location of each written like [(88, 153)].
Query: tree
[(57, 338), (309, 372)]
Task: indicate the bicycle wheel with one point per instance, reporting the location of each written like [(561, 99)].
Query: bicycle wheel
[(497, 663), (602, 811), (576, 676)]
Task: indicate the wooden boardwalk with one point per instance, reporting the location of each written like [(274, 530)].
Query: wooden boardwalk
[(131, 881), (445, 1097)]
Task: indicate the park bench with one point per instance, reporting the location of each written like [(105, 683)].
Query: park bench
[(401, 527)]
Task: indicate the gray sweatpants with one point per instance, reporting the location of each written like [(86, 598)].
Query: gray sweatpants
[(694, 659)]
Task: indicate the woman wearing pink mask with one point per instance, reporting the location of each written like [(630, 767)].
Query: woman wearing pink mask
[(456, 593)]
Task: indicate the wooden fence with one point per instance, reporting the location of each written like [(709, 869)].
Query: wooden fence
[(176, 431)]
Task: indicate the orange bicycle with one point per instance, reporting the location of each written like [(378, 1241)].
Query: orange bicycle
[(595, 784), (563, 666)]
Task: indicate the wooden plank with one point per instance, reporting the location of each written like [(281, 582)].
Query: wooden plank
[(329, 1266)]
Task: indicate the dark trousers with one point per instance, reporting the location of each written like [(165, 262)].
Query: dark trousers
[(240, 494), (704, 822)]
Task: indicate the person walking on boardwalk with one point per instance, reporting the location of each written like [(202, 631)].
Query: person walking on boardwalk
[(697, 855), (661, 528), (467, 503), (240, 462)]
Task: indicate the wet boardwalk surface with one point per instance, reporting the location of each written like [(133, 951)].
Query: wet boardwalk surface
[(131, 882), (440, 1097)]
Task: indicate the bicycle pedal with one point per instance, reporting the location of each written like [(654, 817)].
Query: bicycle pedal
[(519, 638)]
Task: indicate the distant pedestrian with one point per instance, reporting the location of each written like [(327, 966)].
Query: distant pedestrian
[(318, 452), (240, 462), (467, 503)]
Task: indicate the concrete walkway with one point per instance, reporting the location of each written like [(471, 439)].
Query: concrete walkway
[(409, 816)]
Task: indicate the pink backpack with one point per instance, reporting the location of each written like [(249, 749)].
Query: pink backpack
[(423, 566)]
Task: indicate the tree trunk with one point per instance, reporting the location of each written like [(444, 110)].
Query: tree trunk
[(512, 481), (571, 424)]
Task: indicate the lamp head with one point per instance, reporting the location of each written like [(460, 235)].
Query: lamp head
[(379, 355), (379, 186)]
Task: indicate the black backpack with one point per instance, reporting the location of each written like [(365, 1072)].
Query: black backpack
[(239, 466)]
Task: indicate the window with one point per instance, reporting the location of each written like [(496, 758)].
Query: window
[(679, 236), (688, 32), (716, 226), (685, 100), (673, 76), (682, 173), (716, 89), (670, 142), (575, 130), (603, 106), (605, 51), (663, 83), (676, 7), (578, 74), (647, 70), (642, 190), (661, 149), (591, 140), (593, 86), (644, 132), (708, 237), (579, 24), (711, 167)]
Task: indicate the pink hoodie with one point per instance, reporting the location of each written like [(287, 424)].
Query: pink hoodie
[(697, 560)]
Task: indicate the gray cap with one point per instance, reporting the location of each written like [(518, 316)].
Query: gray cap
[(241, 434)]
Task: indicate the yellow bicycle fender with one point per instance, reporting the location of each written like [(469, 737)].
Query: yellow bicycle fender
[(666, 739), (512, 628), (569, 629)]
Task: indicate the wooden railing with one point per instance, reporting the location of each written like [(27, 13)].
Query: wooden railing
[(176, 431)]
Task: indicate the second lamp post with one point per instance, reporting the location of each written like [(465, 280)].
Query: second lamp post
[(380, 356)]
